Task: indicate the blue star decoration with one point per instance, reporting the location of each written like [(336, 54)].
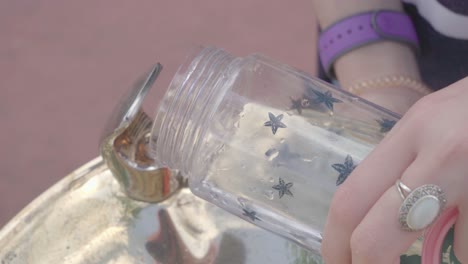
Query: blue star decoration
[(252, 215), (344, 169), (275, 122), (325, 98), (386, 125), (297, 104), (283, 188)]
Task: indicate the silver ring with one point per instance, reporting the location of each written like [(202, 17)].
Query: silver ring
[(420, 207)]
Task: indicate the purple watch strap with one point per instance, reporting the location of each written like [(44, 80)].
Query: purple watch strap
[(363, 29)]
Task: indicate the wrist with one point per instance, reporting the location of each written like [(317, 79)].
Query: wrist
[(396, 99), (374, 60), (369, 43), (388, 81)]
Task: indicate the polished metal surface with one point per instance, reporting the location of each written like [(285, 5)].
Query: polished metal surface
[(86, 218), (124, 147), (130, 104)]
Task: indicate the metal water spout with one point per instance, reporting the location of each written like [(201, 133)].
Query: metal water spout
[(124, 147)]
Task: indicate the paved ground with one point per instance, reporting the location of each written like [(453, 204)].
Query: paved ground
[(63, 64)]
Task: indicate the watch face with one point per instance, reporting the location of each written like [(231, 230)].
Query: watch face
[(130, 102)]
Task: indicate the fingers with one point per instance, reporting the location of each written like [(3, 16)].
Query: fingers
[(379, 237), (461, 235), (365, 207), (357, 194)]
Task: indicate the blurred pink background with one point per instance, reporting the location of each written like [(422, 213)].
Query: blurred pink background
[(64, 64)]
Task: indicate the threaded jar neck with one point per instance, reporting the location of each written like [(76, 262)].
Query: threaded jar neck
[(184, 114)]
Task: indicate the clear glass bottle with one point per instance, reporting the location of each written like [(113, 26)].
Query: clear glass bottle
[(264, 141)]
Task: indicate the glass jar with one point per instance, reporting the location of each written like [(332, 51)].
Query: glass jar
[(264, 141)]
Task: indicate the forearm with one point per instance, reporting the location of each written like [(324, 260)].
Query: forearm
[(375, 60)]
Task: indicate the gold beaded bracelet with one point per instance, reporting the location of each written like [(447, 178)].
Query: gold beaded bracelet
[(388, 82)]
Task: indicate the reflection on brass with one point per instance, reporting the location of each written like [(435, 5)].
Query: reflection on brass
[(95, 222), (167, 246), (126, 156), (124, 148)]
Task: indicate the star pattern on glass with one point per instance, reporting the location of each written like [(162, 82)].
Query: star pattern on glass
[(283, 188), (296, 104), (344, 169), (386, 124), (275, 122), (325, 98), (252, 215)]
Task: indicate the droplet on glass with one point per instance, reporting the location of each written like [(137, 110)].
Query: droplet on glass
[(242, 201), (214, 195), (242, 114), (269, 194), (272, 153), (224, 201)]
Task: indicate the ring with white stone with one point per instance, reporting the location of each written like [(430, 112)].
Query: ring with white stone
[(420, 206)]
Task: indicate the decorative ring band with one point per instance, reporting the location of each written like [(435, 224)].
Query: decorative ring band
[(420, 207)]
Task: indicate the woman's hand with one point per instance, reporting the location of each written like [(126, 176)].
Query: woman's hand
[(429, 145)]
